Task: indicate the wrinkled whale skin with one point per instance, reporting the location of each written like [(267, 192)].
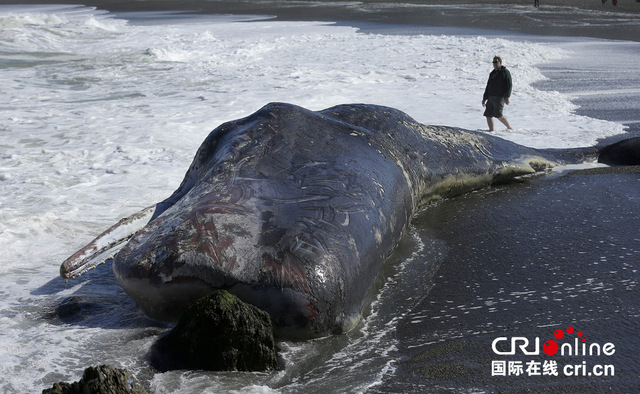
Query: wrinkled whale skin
[(295, 211)]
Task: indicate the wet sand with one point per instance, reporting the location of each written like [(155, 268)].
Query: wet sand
[(525, 260), (553, 17)]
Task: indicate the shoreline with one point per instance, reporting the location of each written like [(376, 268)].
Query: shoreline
[(573, 18), (554, 19)]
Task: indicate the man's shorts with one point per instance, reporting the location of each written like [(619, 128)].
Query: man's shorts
[(494, 107)]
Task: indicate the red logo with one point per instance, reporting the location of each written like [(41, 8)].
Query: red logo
[(551, 347)]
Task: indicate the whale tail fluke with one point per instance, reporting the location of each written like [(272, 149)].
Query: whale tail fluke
[(624, 153), (107, 244)]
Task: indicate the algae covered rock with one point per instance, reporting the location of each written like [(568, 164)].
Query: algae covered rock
[(103, 379), (219, 333)]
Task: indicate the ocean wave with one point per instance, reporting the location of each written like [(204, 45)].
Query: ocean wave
[(52, 28)]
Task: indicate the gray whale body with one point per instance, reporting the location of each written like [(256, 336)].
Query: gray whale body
[(295, 211)]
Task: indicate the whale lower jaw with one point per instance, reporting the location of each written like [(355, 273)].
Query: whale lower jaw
[(165, 301), (293, 314)]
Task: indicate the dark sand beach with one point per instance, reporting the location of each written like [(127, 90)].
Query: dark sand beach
[(553, 17), (525, 260)]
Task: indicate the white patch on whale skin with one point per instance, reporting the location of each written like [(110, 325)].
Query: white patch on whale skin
[(346, 219), (378, 236), (405, 174), (320, 274), (353, 246)]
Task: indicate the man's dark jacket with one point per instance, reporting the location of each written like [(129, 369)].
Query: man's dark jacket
[(499, 84)]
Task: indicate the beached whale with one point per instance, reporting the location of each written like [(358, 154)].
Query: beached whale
[(295, 211)]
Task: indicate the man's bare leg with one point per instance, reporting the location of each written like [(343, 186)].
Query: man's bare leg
[(490, 123), (504, 122)]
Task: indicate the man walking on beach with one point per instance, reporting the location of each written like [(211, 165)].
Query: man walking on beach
[(497, 93)]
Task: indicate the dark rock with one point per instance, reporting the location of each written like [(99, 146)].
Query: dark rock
[(218, 333), (97, 380), (626, 153)]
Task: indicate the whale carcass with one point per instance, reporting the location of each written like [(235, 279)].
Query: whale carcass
[(295, 211)]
